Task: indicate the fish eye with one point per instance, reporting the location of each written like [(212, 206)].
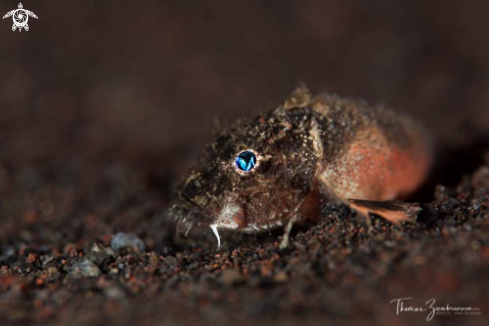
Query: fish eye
[(246, 161)]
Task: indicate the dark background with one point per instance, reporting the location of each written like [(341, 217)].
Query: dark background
[(105, 104), (150, 76)]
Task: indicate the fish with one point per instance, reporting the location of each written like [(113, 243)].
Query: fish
[(274, 170)]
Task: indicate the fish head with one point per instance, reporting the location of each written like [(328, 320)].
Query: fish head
[(250, 178)]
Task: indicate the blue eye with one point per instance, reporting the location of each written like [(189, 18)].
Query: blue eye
[(246, 161)]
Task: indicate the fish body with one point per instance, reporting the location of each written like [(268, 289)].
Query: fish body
[(262, 173)]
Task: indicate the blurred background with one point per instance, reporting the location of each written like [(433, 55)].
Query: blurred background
[(145, 79)]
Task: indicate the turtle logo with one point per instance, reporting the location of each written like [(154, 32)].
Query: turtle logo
[(20, 17)]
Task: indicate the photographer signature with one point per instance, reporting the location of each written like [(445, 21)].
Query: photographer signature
[(431, 309)]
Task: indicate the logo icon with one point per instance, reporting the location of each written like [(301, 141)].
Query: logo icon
[(20, 17)]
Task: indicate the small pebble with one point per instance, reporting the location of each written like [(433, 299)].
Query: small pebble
[(99, 253), (52, 273), (31, 258), (125, 240), (153, 260), (170, 261), (84, 268)]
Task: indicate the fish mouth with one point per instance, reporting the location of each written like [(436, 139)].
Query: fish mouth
[(229, 216)]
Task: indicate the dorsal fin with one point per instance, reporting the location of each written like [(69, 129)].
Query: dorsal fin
[(299, 97)]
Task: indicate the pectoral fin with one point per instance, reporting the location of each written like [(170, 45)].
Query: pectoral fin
[(392, 210)]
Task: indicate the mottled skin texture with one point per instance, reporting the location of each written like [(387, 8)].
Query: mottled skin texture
[(308, 149)]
